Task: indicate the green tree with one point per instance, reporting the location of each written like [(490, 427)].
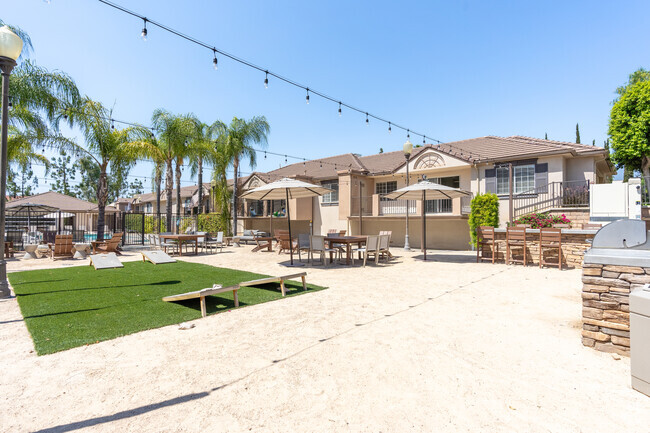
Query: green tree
[(629, 129), (21, 183), (577, 134), (104, 146), (222, 194), (637, 76), (135, 188), (64, 173), (545, 136), (202, 149), (238, 140)]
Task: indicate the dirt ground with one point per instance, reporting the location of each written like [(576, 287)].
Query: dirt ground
[(446, 345)]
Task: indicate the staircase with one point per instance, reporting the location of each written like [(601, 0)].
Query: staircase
[(554, 195)]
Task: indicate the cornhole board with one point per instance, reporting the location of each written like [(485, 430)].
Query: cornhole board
[(201, 294), (280, 280), (157, 257), (105, 261)]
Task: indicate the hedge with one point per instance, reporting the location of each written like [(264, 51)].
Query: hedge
[(485, 212)]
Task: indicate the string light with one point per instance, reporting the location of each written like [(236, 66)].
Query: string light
[(408, 133), (307, 96), (285, 159), (340, 112), (423, 142), (112, 124), (389, 128), (264, 154), (143, 35), (266, 80), (367, 122), (214, 60)]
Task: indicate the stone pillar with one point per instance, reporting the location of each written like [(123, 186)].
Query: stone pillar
[(605, 305)]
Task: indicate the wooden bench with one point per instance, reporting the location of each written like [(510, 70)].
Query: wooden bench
[(280, 280), (201, 294)]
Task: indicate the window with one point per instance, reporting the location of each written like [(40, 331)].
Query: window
[(383, 188), (523, 178), (333, 196), (149, 207), (442, 205)]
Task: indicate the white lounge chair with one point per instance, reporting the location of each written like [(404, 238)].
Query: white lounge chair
[(371, 248), (317, 245)]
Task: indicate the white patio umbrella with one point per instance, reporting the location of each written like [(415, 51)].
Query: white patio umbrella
[(286, 189), (31, 209), (426, 190)]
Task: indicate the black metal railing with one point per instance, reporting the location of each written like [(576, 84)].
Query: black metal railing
[(645, 191), (552, 195)]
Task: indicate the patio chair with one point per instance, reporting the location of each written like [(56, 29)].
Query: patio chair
[(303, 245), (285, 243), (485, 237), (516, 238), (110, 246), (216, 242), (317, 245), (165, 244), (550, 239), (201, 240), (384, 242), (62, 247), (9, 249), (371, 248), (388, 233)]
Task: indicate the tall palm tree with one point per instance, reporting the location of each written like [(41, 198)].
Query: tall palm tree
[(238, 139), (173, 131), (221, 193), (105, 146), (202, 149)]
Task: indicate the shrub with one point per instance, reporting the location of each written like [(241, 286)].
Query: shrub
[(211, 223), (542, 219), (485, 212)]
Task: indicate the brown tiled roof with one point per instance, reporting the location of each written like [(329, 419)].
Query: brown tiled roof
[(388, 162), (186, 192), (61, 201), (491, 148), (319, 169)]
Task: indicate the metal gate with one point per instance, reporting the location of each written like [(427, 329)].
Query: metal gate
[(132, 225)]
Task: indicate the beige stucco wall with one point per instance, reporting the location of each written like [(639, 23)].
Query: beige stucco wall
[(327, 217), (447, 233), (581, 169)]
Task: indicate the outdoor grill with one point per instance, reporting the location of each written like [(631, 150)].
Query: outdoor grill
[(622, 242)]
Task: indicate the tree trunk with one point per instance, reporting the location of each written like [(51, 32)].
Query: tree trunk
[(200, 178), (102, 197), (169, 184), (645, 167), (158, 181), (179, 211), (235, 166)]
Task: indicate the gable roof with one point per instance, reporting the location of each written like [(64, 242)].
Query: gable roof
[(61, 201), (319, 169), (186, 192)]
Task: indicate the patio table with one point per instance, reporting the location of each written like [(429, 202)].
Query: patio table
[(348, 241), (43, 251), (181, 239), (30, 251), (81, 250), (230, 240)]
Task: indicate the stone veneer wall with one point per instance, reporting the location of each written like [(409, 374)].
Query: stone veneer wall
[(573, 249), (605, 305)]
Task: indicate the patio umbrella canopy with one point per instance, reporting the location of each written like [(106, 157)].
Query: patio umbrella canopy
[(285, 189), (426, 190), (31, 209)]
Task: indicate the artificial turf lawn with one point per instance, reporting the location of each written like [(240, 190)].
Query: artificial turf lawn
[(69, 307)]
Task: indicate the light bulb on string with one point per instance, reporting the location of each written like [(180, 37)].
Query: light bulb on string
[(423, 142), (112, 124), (264, 154), (143, 35), (408, 133), (340, 109), (285, 159), (389, 128), (266, 80), (307, 98), (215, 62), (367, 121)]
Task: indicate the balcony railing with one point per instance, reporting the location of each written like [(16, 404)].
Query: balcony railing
[(396, 207), (552, 195)]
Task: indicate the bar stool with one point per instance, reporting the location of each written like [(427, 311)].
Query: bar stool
[(485, 237), (516, 238), (550, 239)]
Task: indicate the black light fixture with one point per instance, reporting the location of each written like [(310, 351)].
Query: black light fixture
[(408, 133), (367, 121), (265, 154), (215, 62), (340, 112), (266, 80), (143, 35), (307, 98), (389, 128)]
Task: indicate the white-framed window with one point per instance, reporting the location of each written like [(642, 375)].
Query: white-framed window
[(333, 196), (149, 208), (382, 188), (523, 177)]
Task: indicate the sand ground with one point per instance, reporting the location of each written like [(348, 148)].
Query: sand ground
[(447, 345)]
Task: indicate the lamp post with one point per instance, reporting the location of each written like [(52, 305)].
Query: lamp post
[(10, 47), (408, 148)]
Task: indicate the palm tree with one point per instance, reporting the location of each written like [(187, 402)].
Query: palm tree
[(173, 131), (105, 146), (238, 139), (222, 194), (202, 149)]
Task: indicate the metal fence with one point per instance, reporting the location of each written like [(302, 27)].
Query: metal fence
[(645, 191), (552, 195)]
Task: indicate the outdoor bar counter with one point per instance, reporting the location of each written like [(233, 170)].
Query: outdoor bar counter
[(574, 244)]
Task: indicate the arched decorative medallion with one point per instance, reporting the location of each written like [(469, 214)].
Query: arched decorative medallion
[(430, 160)]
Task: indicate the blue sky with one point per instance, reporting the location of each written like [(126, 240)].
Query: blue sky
[(453, 70)]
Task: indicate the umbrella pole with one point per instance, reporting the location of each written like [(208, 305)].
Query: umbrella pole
[(424, 224), (289, 224)]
